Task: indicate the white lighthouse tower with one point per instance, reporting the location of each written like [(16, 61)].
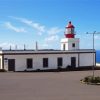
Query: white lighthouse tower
[(69, 42)]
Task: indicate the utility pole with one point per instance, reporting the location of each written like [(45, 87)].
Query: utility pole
[(93, 49)]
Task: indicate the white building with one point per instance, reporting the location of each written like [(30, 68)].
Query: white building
[(30, 60)]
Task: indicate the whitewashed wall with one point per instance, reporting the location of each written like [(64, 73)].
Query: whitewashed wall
[(86, 59), (67, 59), (68, 43), (20, 61), (0, 61)]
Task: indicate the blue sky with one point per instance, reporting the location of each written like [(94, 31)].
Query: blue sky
[(27, 21)]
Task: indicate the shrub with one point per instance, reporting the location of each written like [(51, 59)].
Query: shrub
[(96, 79), (91, 79), (87, 79)]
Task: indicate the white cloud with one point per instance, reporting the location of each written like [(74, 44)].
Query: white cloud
[(97, 37), (43, 46), (39, 28), (51, 34), (13, 28), (7, 45), (54, 30), (52, 39)]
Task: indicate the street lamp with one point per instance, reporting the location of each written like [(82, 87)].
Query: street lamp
[(93, 49)]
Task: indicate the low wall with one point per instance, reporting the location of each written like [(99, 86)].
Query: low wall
[(98, 64)]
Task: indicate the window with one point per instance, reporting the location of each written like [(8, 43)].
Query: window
[(73, 44), (72, 30), (45, 62), (63, 46), (59, 61), (29, 63)]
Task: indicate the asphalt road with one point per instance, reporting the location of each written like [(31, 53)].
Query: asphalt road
[(47, 86)]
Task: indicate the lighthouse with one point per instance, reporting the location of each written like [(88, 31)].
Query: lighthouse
[(69, 42)]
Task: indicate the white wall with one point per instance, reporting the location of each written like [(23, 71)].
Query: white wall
[(86, 59), (68, 43), (20, 61), (76, 41), (0, 61), (67, 59)]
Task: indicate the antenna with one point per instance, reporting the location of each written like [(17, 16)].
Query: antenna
[(0, 48), (36, 45), (10, 47), (24, 47), (15, 47)]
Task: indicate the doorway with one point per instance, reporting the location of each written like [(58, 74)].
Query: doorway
[(73, 62), (29, 63), (11, 64)]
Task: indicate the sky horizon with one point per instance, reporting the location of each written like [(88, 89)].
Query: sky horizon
[(27, 21)]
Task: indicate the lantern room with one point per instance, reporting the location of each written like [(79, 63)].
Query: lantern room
[(69, 31)]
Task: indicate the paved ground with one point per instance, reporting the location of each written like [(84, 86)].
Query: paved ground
[(47, 86)]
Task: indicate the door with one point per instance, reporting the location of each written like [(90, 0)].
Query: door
[(11, 64), (29, 63), (73, 62)]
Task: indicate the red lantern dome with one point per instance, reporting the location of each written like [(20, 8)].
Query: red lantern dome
[(70, 25), (69, 32)]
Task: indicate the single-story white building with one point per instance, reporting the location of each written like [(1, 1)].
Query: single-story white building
[(21, 60), (31, 60)]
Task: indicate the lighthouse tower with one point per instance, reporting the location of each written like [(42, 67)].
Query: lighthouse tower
[(69, 42)]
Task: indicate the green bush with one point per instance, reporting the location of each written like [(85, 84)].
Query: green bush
[(91, 79), (87, 79), (96, 79)]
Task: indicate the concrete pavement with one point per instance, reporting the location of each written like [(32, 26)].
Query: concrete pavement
[(47, 86)]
